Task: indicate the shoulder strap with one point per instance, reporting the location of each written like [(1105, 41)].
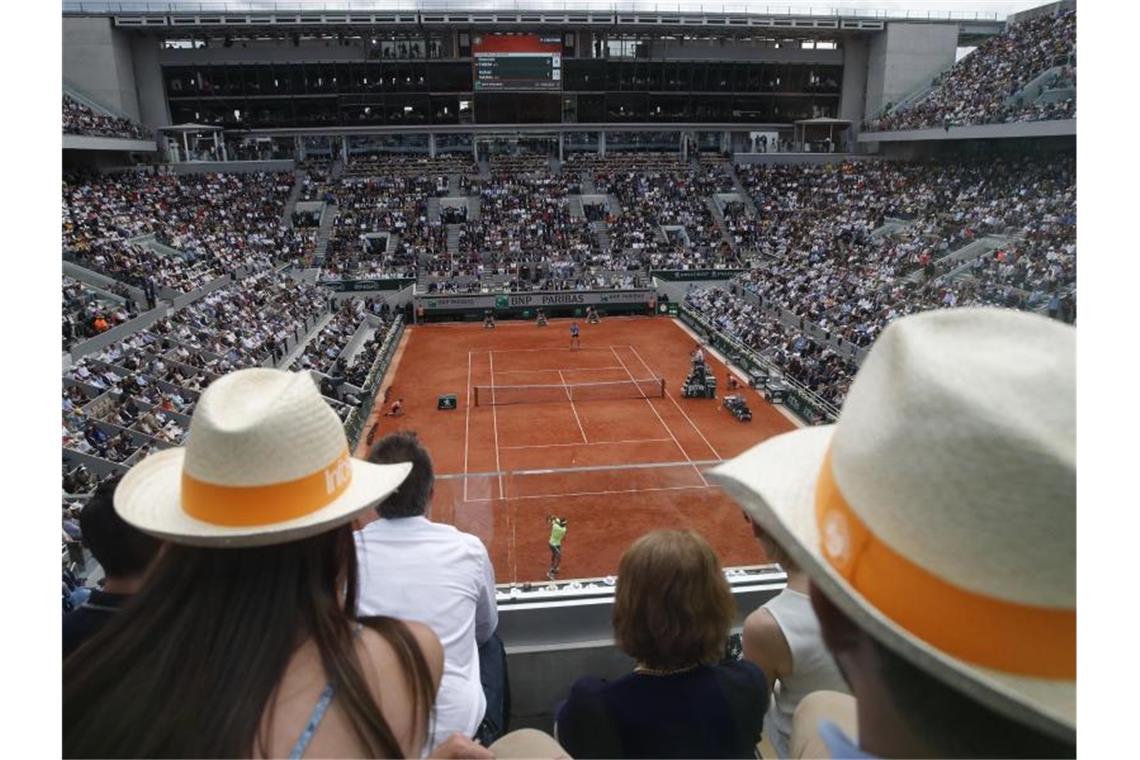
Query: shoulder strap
[(315, 719)]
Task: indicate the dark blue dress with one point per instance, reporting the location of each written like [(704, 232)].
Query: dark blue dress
[(711, 711)]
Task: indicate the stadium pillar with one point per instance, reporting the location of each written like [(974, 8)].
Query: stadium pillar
[(560, 137), (601, 143), (431, 144), (185, 146)]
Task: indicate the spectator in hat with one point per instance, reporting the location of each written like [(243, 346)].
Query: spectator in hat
[(247, 621), (123, 551), (936, 521)]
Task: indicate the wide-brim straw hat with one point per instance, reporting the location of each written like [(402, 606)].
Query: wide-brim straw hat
[(267, 462), (939, 512)]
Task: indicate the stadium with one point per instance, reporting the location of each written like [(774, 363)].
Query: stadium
[(586, 256)]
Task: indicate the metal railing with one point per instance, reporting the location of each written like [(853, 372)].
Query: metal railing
[(800, 8)]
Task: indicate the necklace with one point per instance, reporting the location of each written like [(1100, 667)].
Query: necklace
[(661, 671)]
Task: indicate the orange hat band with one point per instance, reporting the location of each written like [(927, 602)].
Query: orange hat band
[(1020, 639), (245, 506)]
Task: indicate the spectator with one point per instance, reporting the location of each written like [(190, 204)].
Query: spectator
[(784, 639), (940, 543), (123, 551), (672, 613), (247, 620), (447, 582)]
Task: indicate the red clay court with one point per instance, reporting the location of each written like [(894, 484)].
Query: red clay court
[(614, 467)]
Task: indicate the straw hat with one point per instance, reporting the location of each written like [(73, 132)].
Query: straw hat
[(939, 512), (267, 462)]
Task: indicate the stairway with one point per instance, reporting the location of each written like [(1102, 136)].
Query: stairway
[(474, 207), (602, 233), (963, 257), (613, 206), (890, 226), (324, 232), (433, 209), (742, 191), (453, 180), (718, 218), (453, 239), (587, 183), (574, 207), (291, 201), (337, 170)]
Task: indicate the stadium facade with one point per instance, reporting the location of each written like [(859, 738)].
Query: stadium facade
[(286, 82)]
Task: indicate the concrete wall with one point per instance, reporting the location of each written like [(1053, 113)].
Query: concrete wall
[(1063, 127), (903, 58), (234, 167), (153, 110), (853, 95), (97, 60)]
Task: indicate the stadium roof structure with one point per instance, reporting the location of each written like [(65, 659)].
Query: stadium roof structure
[(628, 14)]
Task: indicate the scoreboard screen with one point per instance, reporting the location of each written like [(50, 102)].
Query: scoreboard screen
[(519, 62)]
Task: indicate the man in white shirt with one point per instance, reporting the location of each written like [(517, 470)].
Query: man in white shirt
[(415, 569)]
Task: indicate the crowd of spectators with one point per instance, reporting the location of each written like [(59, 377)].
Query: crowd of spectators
[(78, 119), (980, 88), (822, 262), (216, 223), (798, 355), (87, 312)]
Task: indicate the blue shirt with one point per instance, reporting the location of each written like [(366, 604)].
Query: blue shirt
[(838, 745), (574, 331)]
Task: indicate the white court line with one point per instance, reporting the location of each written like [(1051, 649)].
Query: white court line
[(591, 443), (679, 408), (659, 419), (573, 494), (555, 369), (495, 423), (573, 408), (531, 350), (467, 427)]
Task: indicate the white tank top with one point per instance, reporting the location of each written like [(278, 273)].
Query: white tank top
[(813, 667)]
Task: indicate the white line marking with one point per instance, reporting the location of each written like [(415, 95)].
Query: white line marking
[(467, 427), (600, 493), (554, 369), (659, 419), (495, 423), (591, 443), (679, 408), (574, 409), (531, 350)]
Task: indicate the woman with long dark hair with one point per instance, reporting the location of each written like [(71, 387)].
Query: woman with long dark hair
[(243, 641)]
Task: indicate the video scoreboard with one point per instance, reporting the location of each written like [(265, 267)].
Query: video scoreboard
[(517, 62)]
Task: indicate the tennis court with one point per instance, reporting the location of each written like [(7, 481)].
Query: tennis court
[(598, 434)]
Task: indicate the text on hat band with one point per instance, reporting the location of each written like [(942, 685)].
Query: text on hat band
[(1021, 639), (244, 506)]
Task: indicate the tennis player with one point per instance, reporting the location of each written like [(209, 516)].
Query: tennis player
[(396, 409), (557, 533), (575, 340)]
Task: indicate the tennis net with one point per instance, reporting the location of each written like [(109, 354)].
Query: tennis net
[(498, 395)]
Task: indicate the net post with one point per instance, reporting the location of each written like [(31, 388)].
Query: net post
[(475, 399)]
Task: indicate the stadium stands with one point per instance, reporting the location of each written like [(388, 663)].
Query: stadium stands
[(78, 119), (984, 87)]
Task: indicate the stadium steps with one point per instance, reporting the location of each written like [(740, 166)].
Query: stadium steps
[(718, 217), (961, 258), (574, 206), (742, 191), (337, 169), (453, 239), (474, 207), (291, 201), (587, 184), (299, 347), (613, 205), (1035, 88), (433, 209), (324, 232), (453, 181), (602, 233)]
